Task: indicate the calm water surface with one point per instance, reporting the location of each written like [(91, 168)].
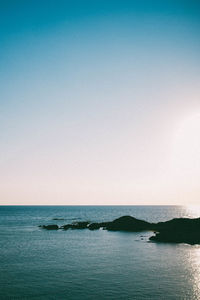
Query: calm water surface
[(83, 264)]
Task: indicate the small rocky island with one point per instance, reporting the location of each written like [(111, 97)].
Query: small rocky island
[(180, 230)]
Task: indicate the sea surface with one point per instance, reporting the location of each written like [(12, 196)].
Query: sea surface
[(84, 264)]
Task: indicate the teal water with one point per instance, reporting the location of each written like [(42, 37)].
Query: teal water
[(83, 264)]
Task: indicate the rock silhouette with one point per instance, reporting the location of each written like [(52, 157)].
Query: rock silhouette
[(76, 225), (180, 230), (128, 223), (50, 227)]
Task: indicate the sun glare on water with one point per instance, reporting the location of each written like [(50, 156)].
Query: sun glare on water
[(192, 211)]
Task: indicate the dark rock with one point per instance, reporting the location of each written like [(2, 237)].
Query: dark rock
[(180, 230), (179, 224), (76, 225), (66, 227), (50, 227), (177, 237), (128, 223), (94, 226), (58, 219), (80, 225)]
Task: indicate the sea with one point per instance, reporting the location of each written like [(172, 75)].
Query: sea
[(83, 264)]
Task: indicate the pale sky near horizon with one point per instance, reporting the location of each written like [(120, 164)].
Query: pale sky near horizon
[(99, 102)]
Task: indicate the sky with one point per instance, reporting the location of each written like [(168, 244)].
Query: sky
[(99, 102)]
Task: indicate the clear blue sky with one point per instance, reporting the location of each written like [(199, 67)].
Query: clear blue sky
[(99, 102)]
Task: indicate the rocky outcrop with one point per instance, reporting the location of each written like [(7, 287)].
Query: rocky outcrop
[(128, 223), (181, 230)]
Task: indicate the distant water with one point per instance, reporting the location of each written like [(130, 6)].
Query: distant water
[(83, 264)]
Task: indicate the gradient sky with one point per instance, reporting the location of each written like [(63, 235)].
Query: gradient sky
[(99, 102)]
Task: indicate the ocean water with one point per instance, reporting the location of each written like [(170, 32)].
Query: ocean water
[(84, 264)]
